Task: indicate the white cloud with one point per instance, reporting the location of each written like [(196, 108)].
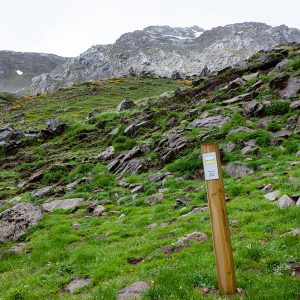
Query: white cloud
[(69, 27)]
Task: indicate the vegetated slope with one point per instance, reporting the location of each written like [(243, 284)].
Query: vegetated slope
[(18, 68), (136, 180), (167, 51)]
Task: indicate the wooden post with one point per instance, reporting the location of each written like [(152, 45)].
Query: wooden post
[(218, 218)]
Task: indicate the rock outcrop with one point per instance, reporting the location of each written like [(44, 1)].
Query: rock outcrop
[(167, 51)]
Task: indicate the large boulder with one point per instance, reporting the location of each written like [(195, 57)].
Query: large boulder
[(173, 142), (291, 90), (14, 222), (54, 127), (125, 105), (133, 291), (63, 204), (217, 121), (129, 162), (238, 170), (11, 138)]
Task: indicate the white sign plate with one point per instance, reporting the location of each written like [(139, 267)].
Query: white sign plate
[(210, 166)]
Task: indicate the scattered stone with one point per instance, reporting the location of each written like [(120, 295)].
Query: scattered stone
[(174, 142), (230, 146), (195, 210), (285, 201), (194, 236), (249, 150), (239, 98), (126, 104), (76, 225), (156, 177), (94, 112), (77, 283), (294, 232), (181, 201), (235, 84), (281, 134), (132, 129), (42, 192), (254, 108), (128, 163), (53, 128), (16, 249), (240, 129), (15, 221), (63, 204), (238, 170), (250, 76), (137, 189), (37, 176), (190, 188), (114, 131), (281, 66), (108, 153), (133, 291), (280, 82), (295, 270), (217, 121), (99, 210), (272, 196), (151, 226), (295, 104), (122, 216), (268, 188), (155, 199), (291, 90)]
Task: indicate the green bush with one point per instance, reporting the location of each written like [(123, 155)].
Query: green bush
[(290, 146), (277, 108), (123, 143), (295, 63), (273, 126), (103, 180)]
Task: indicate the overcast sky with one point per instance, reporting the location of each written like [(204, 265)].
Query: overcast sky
[(69, 27)]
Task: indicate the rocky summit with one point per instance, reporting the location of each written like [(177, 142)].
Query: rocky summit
[(102, 188), (18, 68), (173, 52)]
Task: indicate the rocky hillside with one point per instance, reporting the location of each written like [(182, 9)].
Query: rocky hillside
[(102, 192), (166, 51), (18, 68)]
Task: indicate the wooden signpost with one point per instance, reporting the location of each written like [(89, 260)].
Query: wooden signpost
[(218, 218)]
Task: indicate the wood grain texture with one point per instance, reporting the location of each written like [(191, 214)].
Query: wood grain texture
[(220, 227)]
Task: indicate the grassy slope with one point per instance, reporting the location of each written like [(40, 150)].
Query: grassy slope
[(100, 249)]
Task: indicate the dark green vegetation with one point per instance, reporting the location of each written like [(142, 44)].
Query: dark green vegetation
[(6, 98), (115, 252)]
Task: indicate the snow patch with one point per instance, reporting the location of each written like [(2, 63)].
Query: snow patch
[(19, 72)]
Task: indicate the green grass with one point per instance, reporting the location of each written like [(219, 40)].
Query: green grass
[(102, 247)]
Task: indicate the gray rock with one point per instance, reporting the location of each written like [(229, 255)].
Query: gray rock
[(254, 108), (77, 283), (195, 210), (281, 134), (76, 225), (154, 199), (15, 249), (133, 291), (281, 66), (99, 210), (272, 196), (114, 131), (94, 112), (42, 192), (194, 236), (235, 84), (285, 201), (14, 222), (294, 232), (126, 104), (295, 104), (133, 129), (239, 98), (107, 153), (250, 76), (156, 177), (240, 129), (217, 121), (238, 170), (63, 204), (230, 146), (249, 150), (291, 90)]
